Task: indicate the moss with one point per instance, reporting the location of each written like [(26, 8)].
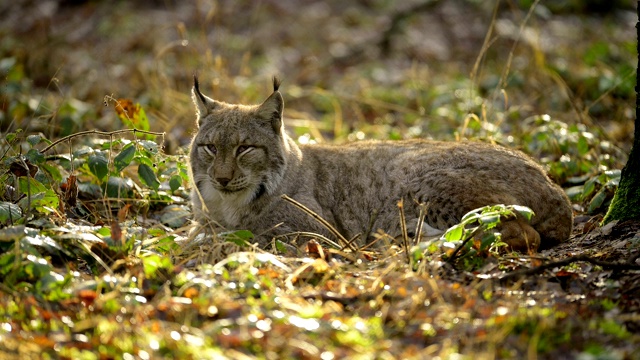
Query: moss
[(626, 201)]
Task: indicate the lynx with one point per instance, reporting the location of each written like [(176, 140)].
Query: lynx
[(242, 161)]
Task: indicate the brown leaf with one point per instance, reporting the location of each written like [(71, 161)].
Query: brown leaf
[(315, 250), (126, 109), (42, 341), (116, 233), (270, 273), (123, 212), (87, 296), (562, 273), (191, 293), (18, 168), (70, 190)]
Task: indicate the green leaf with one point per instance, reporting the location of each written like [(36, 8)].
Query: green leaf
[(166, 244), (143, 159), (417, 254), (123, 159), (98, 164), (589, 187), (490, 220), (108, 145), (36, 267), (184, 173), (53, 171), (616, 173), (148, 176), (597, 201), (9, 211), (34, 139), (238, 237), (117, 187), (151, 263), (7, 261), (583, 145), (12, 233), (487, 240), (42, 198), (175, 182), (150, 146), (104, 231), (143, 121), (34, 156), (175, 216), (281, 247), (575, 192), (33, 186), (83, 150), (9, 137), (524, 211), (454, 233), (473, 214)]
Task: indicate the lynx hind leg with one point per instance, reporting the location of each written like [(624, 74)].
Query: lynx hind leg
[(517, 232), (519, 235)]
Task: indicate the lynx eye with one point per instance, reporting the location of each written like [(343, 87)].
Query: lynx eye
[(242, 149), (210, 149)]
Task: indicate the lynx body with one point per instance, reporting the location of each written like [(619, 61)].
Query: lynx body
[(242, 161)]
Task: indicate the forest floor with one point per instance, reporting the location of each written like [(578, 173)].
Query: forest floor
[(95, 256)]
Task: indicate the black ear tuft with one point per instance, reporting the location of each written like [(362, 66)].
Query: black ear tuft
[(276, 83), (196, 88)]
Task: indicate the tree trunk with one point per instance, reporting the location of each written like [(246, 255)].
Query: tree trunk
[(626, 202)]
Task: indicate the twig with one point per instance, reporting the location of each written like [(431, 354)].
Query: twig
[(313, 235), (403, 228), (318, 218), (423, 214), (374, 241), (354, 238), (101, 133), (567, 261)]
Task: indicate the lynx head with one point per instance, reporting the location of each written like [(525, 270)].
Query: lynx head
[(239, 151)]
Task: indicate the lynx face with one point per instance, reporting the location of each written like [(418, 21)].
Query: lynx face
[(237, 152)]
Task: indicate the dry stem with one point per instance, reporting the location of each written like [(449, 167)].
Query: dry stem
[(101, 133), (345, 243)]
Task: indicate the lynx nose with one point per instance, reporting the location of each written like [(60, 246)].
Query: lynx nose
[(223, 181)]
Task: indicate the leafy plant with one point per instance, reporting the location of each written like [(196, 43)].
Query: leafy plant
[(482, 220), (475, 234)]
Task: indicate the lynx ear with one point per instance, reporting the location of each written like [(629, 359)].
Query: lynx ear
[(204, 104), (272, 108)]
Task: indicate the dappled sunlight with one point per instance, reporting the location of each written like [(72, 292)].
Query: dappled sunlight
[(99, 254)]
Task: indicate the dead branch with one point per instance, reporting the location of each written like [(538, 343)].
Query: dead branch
[(100, 133), (403, 228), (582, 257)]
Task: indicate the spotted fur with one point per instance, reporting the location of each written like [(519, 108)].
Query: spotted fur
[(242, 161)]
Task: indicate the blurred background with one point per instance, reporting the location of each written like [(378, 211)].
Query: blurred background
[(507, 71)]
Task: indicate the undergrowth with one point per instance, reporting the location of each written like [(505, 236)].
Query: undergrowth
[(95, 254)]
